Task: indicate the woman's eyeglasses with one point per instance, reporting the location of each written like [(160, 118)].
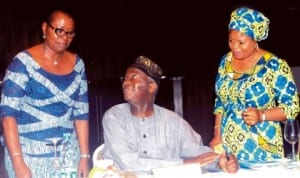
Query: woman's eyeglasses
[(61, 32)]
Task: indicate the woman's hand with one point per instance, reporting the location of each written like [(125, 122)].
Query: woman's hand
[(252, 116), (228, 163), (83, 167), (21, 169)]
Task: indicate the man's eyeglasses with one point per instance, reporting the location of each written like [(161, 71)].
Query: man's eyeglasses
[(135, 77), (61, 32)]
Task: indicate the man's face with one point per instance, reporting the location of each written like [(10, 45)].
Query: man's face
[(136, 86)]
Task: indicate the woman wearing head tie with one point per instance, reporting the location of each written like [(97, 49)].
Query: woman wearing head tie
[(255, 90)]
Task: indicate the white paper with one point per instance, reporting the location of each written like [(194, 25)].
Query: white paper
[(179, 171)]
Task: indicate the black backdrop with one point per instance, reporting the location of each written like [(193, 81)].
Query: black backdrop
[(187, 38)]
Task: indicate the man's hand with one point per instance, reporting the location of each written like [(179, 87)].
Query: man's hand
[(204, 158)]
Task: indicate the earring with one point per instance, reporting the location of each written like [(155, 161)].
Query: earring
[(44, 36), (256, 47)]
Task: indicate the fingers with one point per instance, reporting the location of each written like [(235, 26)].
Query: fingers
[(232, 165), (232, 168), (209, 158), (251, 116), (83, 175), (229, 163)]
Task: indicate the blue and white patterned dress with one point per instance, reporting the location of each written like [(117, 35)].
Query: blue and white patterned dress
[(45, 106)]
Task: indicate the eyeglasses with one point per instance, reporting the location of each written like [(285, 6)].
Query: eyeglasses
[(61, 32), (134, 77)]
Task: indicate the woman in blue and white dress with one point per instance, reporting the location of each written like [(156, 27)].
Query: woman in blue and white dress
[(44, 96)]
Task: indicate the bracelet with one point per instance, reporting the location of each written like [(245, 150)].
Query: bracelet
[(85, 155), (16, 154), (216, 126), (263, 116)]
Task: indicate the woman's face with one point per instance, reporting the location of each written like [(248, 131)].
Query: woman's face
[(59, 32), (241, 45)]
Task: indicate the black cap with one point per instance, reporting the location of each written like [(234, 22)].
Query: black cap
[(149, 67)]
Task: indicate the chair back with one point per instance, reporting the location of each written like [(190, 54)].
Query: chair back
[(97, 155)]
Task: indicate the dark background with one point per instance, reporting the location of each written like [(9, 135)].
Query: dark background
[(178, 34), (187, 38)]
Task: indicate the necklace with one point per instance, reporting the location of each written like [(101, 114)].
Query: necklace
[(57, 58), (55, 62)]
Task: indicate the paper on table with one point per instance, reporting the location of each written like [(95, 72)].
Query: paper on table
[(179, 171), (258, 165)]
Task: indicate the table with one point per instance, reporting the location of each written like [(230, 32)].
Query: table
[(195, 171), (248, 173), (279, 170)]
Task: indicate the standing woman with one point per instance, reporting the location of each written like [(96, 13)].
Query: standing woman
[(44, 96), (255, 91)]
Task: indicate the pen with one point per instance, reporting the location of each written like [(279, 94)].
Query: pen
[(244, 114), (228, 155)]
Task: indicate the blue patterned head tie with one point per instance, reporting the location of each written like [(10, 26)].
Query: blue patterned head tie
[(251, 22)]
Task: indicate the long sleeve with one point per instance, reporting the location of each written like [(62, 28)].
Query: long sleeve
[(139, 145)]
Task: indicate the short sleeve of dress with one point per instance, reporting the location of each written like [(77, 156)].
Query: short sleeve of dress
[(14, 83), (286, 91), (81, 108)]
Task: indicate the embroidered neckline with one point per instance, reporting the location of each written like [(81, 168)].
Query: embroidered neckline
[(253, 70)]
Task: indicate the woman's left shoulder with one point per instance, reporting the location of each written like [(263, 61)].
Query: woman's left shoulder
[(269, 55), (73, 57)]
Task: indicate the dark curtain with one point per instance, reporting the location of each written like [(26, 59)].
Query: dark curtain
[(198, 101)]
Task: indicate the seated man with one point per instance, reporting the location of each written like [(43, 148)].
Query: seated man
[(140, 135)]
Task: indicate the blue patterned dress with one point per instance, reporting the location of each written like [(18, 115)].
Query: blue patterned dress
[(267, 85), (45, 106)]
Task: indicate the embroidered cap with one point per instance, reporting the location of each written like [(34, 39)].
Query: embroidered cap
[(149, 67)]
